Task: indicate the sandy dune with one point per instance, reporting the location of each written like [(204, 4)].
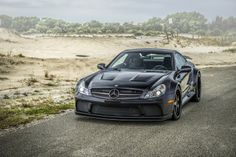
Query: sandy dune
[(100, 46)]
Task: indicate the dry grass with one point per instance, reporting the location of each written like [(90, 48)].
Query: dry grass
[(51, 84), (30, 81), (20, 55), (231, 50), (3, 78), (5, 60), (2, 55), (48, 76), (8, 63), (4, 70)]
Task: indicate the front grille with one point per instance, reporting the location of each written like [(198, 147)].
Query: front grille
[(123, 93)]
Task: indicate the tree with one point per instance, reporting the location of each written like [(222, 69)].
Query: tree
[(153, 24), (6, 21), (23, 24), (171, 25), (186, 22)]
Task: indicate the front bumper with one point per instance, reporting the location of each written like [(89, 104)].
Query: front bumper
[(129, 109)]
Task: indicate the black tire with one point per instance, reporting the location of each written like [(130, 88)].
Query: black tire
[(198, 91), (177, 111)]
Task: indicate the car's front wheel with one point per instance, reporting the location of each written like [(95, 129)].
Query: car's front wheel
[(197, 95), (177, 107)]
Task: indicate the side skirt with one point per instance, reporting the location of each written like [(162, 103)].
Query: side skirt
[(187, 97)]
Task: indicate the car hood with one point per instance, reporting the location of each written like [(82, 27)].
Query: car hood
[(127, 79)]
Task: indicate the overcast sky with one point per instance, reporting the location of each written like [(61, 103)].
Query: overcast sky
[(114, 10)]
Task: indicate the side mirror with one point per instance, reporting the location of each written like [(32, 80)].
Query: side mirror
[(101, 66), (185, 68)]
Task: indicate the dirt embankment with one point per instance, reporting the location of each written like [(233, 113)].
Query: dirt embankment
[(32, 88), (97, 46)]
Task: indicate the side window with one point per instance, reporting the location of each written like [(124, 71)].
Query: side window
[(179, 61), (120, 60)]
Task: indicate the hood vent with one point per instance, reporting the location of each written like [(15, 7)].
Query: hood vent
[(109, 77), (141, 78)]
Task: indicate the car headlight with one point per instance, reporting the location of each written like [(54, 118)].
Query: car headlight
[(81, 89), (156, 92)]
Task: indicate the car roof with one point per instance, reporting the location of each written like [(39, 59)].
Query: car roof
[(150, 50)]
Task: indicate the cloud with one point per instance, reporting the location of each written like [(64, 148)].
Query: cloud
[(114, 10)]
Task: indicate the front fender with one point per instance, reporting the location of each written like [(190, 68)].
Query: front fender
[(196, 74)]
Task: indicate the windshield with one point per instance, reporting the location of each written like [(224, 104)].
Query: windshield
[(143, 60)]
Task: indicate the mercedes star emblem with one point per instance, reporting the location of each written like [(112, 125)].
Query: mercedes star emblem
[(114, 93)]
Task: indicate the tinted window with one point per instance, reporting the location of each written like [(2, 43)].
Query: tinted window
[(179, 61), (143, 60), (120, 60)]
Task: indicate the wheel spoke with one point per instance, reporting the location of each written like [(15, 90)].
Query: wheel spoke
[(177, 106)]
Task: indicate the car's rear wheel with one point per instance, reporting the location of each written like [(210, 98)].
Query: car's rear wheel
[(197, 95), (177, 107)]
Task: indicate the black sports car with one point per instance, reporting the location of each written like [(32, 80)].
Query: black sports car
[(139, 84)]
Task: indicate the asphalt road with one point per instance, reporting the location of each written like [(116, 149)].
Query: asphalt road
[(207, 128)]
